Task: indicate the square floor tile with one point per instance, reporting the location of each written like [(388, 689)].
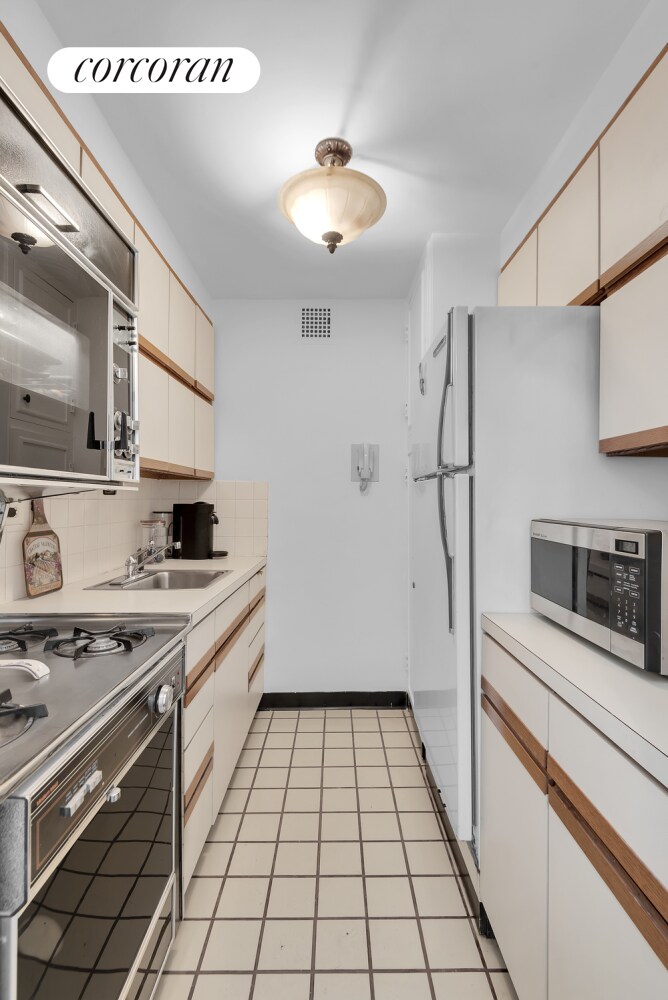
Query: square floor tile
[(213, 859), (401, 986), (260, 725), (395, 944), (402, 756), (243, 898), (384, 858), (306, 725), (187, 946), (337, 725), (271, 777), (309, 741), (338, 777), (380, 826), (376, 800), (279, 741), (302, 800), (369, 758), (365, 724), (242, 777), (341, 986), (225, 827), (341, 757), (292, 897), (232, 946), (338, 741), (214, 986), (340, 897), (254, 741), (252, 859), (259, 826), (286, 944), (340, 859), (407, 777), (249, 758), (413, 800), (462, 986), (428, 857), (403, 739), (373, 777), (340, 826), (201, 897), (420, 826), (276, 758), (389, 897), (287, 986), (338, 713), (265, 800), (393, 724), (300, 826), (296, 859), (307, 758), (174, 987), (235, 800), (503, 986), (339, 800), (305, 777), (282, 725), (368, 740), (341, 944), (450, 944), (438, 896)]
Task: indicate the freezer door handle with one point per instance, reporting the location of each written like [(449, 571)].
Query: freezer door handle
[(445, 341), (444, 472), (443, 526)]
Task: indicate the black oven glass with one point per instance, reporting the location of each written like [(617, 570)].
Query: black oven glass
[(81, 934), (576, 579)]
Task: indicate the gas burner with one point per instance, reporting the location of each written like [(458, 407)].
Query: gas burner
[(15, 719), (84, 642), (23, 638)]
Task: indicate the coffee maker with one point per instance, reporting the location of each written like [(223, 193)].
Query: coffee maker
[(193, 528)]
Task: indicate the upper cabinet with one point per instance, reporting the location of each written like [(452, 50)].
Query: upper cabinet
[(204, 353), (182, 326), (153, 322), (568, 241), (634, 177), (517, 281), (105, 194)]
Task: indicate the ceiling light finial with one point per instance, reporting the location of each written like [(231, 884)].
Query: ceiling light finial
[(331, 204)]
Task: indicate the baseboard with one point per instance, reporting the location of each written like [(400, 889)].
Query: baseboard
[(334, 699)]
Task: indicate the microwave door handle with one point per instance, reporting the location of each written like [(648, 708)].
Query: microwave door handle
[(443, 527)]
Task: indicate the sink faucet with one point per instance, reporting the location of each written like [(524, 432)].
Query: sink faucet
[(134, 564)]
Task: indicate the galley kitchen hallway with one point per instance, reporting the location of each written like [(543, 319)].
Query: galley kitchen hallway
[(327, 876)]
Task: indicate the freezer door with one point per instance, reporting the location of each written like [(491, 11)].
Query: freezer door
[(440, 658)]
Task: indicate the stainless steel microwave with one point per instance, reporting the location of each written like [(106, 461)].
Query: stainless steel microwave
[(68, 339), (603, 580)]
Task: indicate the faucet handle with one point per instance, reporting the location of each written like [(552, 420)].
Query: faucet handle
[(176, 545)]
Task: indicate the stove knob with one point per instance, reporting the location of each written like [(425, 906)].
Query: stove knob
[(113, 794), (164, 698)]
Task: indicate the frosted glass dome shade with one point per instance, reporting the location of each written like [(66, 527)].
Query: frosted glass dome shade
[(332, 201)]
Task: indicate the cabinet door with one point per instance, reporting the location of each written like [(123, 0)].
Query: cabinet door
[(181, 405), (199, 815), (634, 167), (231, 722), (595, 949), (153, 418), (568, 241), (204, 351), (634, 358), (107, 197), (153, 294), (517, 281), (182, 326), (204, 436)]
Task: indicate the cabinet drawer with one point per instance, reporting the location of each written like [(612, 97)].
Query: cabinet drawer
[(632, 803), (230, 614), (198, 703), (256, 585), (197, 824), (256, 619), (200, 646), (196, 755), (255, 656), (522, 693)]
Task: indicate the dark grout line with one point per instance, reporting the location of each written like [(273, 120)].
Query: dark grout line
[(372, 988)]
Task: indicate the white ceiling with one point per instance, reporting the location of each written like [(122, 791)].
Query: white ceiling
[(452, 105)]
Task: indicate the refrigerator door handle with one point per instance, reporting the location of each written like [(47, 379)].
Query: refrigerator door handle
[(443, 526), (446, 341), (445, 471)]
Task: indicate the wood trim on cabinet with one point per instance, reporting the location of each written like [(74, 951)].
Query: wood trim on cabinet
[(204, 474), (163, 360), (197, 785), (587, 297), (654, 441), (532, 745), (151, 468), (203, 391), (636, 869), (636, 260), (230, 642), (259, 597), (259, 660), (231, 628), (520, 751), (194, 686), (638, 907)]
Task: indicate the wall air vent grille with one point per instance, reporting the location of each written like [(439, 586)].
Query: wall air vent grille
[(316, 321)]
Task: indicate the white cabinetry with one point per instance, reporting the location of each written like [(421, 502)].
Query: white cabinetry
[(153, 321), (182, 326), (153, 417), (204, 436), (204, 351), (105, 194), (181, 418), (518, 280)]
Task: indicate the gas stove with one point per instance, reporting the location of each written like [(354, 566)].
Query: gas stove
[(56, 672)]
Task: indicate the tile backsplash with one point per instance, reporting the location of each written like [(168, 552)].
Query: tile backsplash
[(97, 533)]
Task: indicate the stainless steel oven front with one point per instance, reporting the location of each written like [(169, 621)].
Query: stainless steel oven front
[(102, 872), (603, 580)]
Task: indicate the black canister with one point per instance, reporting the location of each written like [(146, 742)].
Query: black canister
[(193, 527)]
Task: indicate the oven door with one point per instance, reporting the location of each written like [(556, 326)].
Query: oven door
[(101, 926), (55, 355)]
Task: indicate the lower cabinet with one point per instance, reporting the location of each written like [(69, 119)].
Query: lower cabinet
[(230, 705)]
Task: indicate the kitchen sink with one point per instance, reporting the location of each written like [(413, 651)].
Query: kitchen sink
[(165, 579)]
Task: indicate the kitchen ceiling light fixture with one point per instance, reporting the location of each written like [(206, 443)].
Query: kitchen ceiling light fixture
[(332, 204)]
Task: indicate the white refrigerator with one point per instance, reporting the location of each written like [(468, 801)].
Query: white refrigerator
[(503, 428)]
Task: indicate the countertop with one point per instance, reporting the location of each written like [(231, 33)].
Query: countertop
[(628, 705), (76, 599)]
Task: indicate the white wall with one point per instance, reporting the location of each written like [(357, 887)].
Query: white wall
[(640, 48), (35, 37), (287, 411)]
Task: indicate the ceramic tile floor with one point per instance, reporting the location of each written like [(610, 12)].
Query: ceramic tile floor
[(326, 875)]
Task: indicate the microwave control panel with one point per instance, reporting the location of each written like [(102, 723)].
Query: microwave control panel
[(627, 596)]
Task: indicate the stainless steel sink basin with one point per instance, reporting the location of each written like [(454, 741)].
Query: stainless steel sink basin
[(165, 579)]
